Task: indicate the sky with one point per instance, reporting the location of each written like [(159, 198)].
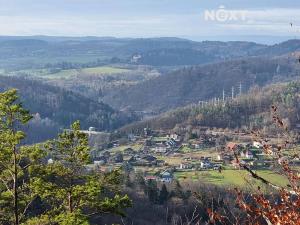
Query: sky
[(192, 19)]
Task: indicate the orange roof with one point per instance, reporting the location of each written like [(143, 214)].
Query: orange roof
[(231, 145)]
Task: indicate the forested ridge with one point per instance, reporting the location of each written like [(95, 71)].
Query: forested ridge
[(248, 111), (200, 83)]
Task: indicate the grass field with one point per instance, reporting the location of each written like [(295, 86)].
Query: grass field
[(231, 177), (135, 147), (65, 74)]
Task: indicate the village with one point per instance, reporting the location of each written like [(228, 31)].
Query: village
[(167, 156)]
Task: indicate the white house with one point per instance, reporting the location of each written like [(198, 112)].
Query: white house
[(257, 144), (160, 149), (247, 154)]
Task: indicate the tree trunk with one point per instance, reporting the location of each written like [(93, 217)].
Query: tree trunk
[(15, 187), (70, 200)]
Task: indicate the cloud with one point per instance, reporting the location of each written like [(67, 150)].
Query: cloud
[(108, 18)]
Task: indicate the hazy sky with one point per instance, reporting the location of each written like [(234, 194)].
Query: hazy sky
[(149, 18)]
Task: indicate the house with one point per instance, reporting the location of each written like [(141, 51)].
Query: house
[(147, 132), (131, 137), (92, 129), (257, 144), (227, 158), (128, 151), (247, 154), (160, 162), (219, 157), (161, 149), (206, 165), (166, 176), (171, 143), (100, 160), (99, 163), (184, 166), (150, 178), (175, 137), (231, 146), (136, 58)]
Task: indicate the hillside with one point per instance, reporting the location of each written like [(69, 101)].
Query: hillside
[(199, 83), (62, 107), (250, 111)]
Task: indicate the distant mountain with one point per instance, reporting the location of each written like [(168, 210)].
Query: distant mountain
[(199, 83)]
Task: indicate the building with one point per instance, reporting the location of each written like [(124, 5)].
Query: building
[(161, 149), (257, 144), (206, 165), (175, 137), (136, 58), (232, 146), (152, 178), (166, 176), (129, 151), (185, 166)]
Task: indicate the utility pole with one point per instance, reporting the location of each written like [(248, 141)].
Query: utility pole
[(240, 88)]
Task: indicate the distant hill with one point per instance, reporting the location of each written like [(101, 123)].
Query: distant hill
[(63, 107), (249, 111), (199, 83), (36, 51)]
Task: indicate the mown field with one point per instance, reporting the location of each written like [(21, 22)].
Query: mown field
[(238, 178), (135, 147)]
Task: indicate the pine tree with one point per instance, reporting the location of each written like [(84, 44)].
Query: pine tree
[(17, 162), (73, 192)]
